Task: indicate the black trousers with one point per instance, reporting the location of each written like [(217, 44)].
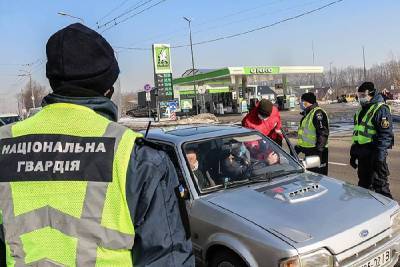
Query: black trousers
[(2, 251), (373, 176)]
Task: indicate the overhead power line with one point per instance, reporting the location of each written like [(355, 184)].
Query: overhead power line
[(282, 10), (20, 64), (135, 7), (112, 10), (248, 31), (200, 23), (137, 13)]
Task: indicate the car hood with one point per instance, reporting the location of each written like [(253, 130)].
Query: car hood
[(305, 209)]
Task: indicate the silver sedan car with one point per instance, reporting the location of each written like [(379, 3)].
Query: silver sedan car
[(252, 203)]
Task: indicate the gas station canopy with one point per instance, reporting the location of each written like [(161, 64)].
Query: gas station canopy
[(228, 89), (226, 73)]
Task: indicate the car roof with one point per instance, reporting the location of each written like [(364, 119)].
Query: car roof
[(186, 133), (8, 115)]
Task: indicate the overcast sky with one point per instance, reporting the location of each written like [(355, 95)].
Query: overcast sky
[(338, 33)]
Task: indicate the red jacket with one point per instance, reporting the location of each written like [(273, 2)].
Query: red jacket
[(270, 127)]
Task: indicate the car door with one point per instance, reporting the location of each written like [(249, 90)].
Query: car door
[(182, 192)]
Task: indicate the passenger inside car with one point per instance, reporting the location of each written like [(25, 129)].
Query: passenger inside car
[(203, 179), (262, 151)]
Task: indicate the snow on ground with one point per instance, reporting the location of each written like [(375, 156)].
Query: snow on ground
[(141, 123)]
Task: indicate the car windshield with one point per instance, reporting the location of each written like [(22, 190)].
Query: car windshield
[(229, 161)]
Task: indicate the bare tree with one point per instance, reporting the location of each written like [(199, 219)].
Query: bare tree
[(128, 101), (32, 95)]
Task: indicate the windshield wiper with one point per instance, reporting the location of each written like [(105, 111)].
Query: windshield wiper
[(279, 173), (228, 183)]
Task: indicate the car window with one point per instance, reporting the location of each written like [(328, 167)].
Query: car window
[(238, 158), (170, 150)]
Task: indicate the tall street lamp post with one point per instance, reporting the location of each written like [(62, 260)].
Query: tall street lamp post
[(71, 16), (193, 74)]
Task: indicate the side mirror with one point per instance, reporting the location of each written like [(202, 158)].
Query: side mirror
[(311, 162)]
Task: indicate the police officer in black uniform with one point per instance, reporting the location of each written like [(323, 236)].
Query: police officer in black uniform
[(372, 137), (320, 122)]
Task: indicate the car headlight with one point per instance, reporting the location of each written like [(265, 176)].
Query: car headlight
[(320, 258), (395, 220)]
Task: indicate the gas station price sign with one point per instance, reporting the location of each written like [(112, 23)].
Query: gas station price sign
[(164, 84)]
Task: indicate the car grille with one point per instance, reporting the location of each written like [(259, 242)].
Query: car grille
[(388, 242)]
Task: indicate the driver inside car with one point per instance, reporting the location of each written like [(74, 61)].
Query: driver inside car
[(202, 178), (237, 161)]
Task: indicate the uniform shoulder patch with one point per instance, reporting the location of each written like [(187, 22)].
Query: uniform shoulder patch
[(385, 123), (319, 116)]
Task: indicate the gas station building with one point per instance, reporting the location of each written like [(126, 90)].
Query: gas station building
[(221, 91)]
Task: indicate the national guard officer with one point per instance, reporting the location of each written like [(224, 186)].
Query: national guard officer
[(372, 137), (313, 132), (78, 189)]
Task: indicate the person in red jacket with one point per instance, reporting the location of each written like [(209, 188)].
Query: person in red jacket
[(266, 119)]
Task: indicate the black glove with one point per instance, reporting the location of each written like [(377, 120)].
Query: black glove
[(353, 162)]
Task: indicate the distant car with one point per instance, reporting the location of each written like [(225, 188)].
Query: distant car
[(9, 118), (250, 203), (142, 113)]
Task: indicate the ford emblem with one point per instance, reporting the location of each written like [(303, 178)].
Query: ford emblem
[(364, 233)]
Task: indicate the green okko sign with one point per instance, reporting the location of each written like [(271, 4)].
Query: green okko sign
[(162, 58), (261, 70)]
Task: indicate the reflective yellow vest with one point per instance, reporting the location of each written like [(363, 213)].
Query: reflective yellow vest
[(363, 132), (62, 197), (307, 134)]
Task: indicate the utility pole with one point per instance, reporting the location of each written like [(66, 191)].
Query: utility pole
[(365, 69), (117, 92), (30, 87), (330, 79), (313, 60), (193, 75)]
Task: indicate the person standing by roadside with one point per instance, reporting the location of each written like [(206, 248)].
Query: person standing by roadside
[(266, 119), (76, 187), (313, 132), (372, 137)]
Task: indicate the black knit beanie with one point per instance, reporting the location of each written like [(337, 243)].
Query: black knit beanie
[(309, 97), (80, 59), (367, 86), (265, 107)]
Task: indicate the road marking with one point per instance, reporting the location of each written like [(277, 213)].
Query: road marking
[(337, 163)]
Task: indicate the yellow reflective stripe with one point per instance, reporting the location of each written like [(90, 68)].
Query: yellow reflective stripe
[(96, 192)]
